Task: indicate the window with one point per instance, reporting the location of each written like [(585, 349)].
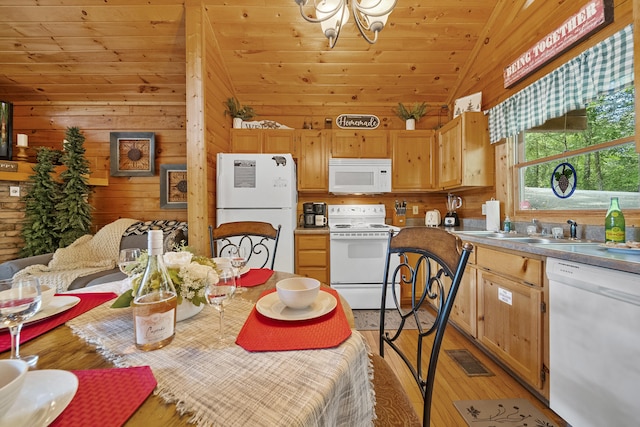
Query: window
[(564, 168)]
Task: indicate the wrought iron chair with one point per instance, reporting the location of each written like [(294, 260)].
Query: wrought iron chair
[(260, 239), (431, 265)]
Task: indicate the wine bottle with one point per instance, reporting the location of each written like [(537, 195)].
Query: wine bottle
[(614, 230), (155, 301)]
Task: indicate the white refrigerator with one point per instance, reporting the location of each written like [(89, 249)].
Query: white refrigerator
[(260, 187)]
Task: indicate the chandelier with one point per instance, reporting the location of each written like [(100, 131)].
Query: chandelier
[(369, 15)]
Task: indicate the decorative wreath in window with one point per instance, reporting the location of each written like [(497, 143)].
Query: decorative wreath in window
[(564, 180)]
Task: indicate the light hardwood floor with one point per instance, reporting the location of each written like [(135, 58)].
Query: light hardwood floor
[(453, 384)]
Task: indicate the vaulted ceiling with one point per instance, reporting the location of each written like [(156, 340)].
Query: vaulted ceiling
[(134, 50)]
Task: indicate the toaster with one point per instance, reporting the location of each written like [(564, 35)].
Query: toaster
[(432, 218)]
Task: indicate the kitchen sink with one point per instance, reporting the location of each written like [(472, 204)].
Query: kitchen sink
[(515, 237)]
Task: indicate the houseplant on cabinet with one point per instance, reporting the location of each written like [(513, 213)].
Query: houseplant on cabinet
[(238, 112), (411, 115)]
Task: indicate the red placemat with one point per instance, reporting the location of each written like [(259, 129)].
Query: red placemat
[(32, 330), (261, 333), (107, 397), (255, 277)]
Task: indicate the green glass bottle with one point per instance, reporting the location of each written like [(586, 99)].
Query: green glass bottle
[(614, 223)]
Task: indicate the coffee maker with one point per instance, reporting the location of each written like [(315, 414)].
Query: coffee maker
[(315, 214)]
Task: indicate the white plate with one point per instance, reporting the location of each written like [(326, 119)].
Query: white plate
[(271, 306), (57, 305), (44, 395)]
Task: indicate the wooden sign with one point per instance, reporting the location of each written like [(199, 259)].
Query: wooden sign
[(7, 166), (357, 121), (591, 18)]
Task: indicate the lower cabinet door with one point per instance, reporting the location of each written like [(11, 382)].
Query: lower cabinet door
[(510, 324)]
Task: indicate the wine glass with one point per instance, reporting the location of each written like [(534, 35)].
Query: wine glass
[(20, 299), (126, 260), (219, 291), (238, 261)]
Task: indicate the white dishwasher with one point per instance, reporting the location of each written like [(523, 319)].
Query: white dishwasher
[(594, 344)]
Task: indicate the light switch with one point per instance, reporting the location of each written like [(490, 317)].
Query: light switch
[(415, 209), (484, 209), (14, 191)]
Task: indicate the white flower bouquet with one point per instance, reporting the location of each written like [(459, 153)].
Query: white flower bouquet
[(188, 273)]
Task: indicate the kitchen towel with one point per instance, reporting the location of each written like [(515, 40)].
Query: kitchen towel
[(493, 215), (107, 397), (260, 333), (35, 329)]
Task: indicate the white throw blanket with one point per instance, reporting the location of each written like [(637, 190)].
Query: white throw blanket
[(87, 255)]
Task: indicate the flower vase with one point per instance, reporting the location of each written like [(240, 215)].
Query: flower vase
[(237, 123), (186, 309), (410, 124)]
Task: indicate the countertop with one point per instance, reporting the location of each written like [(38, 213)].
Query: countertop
[(315, 230), (586, 253)]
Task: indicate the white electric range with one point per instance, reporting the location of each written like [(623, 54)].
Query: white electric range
[(358, 239)]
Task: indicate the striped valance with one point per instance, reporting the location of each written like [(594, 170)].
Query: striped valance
[(604, 68)]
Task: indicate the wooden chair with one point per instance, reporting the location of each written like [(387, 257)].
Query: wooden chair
[(260, 239), (432, 262)]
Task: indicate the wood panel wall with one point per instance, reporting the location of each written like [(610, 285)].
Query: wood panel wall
[(133, 197)]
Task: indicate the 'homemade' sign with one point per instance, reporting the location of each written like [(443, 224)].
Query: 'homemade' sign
[(357, 121), (592, 17)]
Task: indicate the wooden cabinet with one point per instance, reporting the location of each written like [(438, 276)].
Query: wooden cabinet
[(263, 141), (312, 256), (413, 160), (511, 310), (360, 143), (465, 155), (312, 147), (463, 312)]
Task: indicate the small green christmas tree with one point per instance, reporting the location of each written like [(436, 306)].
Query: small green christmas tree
[(74, 210), (38, 231)]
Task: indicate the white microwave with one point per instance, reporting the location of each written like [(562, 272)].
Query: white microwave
[(359, 176)]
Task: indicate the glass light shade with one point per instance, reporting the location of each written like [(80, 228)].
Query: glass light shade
[(374, 12), (332, 15)]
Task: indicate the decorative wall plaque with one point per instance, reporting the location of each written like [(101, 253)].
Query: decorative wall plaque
[(133, 154), (173, 186), (357, 121)]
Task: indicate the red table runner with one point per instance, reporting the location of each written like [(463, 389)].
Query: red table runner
[(260, 333), (255, 277), (35, 329), (107, 397)]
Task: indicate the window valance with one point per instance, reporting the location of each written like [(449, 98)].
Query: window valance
[(604, 68)]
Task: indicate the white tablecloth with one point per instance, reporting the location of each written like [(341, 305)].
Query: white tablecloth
[(234, 387)]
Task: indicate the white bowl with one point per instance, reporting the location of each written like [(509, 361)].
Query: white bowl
[(12, 376), (46, 295), (298, 292)]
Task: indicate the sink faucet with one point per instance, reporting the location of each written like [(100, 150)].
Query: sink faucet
[(573, 229)]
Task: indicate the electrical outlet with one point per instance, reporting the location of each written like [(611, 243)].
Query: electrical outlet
[(484, 209), (14, 191), (415, 209)]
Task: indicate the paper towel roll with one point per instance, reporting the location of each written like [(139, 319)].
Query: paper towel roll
[(493, 215)]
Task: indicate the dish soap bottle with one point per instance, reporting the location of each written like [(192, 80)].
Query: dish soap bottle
[(507, 224), (614, 230), (155, 301)]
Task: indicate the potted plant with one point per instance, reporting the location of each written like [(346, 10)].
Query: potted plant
[(238, 112), (412, 114)]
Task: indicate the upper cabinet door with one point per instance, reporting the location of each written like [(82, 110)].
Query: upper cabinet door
[(360, 144), (465, 155), (263, 141), (313, 160), (413, 160)]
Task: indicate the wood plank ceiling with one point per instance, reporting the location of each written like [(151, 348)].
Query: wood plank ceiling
[(133, 51)]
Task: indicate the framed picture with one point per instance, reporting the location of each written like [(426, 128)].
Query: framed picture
[(6, 130), (173, 186), (133, 154)]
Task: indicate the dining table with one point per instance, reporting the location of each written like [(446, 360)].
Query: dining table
[(197, 383)]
